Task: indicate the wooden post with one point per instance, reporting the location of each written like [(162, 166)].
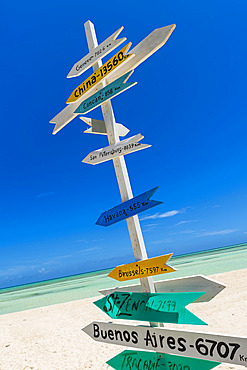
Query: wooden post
[(133, 223)]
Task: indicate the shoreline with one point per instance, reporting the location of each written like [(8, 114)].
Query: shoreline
[(51, 337), (87, 285), (103, 271)]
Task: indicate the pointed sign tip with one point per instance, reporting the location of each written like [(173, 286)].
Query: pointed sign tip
[(116, 33), (87, 329), (88, 23)]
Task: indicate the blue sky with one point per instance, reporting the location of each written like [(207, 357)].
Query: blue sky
[(189, 103)]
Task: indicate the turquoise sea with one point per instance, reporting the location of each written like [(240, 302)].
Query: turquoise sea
[(86, 285)]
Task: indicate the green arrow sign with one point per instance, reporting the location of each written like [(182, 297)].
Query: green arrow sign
[(106, 93), (153, 307), (140, 360)]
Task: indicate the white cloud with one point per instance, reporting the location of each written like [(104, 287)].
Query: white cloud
[(185, 222), (149, 228), (162, 241), (187, 232), (219, 232), (43, 195), (87, 250), (163, 215)]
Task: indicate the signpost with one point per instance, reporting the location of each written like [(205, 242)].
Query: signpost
[(197, 283), (158, 307), (96, 54), (101, 73), (164, 301), (124, 147), (128, 360), (120, 169), (138, 270), (207, 346), (128, 209), (98, 127)]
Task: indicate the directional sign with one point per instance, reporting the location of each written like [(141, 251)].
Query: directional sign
[(142, 51), (128, 209), (128, 360), (96, 54), (123, 147), (207, 346), (98, 127), (136, 270), (101, 73), (113, 89), (197, 283), (148, 46), (152, 307)]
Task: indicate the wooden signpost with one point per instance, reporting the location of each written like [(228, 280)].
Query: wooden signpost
[(207, 346), (197, 283), (96, 54), (138, 270), (158, 302), (128, 209), (124, 147), (98, 127), (101, 73), (140, 360), (154, 307)]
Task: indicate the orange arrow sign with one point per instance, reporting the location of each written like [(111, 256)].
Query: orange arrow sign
[(101, 73), (141, 269)]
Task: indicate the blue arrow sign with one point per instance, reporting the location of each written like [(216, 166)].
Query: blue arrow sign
[(108, 92), (128, 209)]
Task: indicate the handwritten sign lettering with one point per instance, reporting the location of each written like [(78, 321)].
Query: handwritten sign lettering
[(207, 346), (123, 147), (128, 360), (96, 54), (113, 89), (128, 209), (136, 270), (152, 307), (100, 74)]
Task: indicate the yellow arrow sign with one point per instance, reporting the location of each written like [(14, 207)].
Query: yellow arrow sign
[(141, 269), (100, 73)]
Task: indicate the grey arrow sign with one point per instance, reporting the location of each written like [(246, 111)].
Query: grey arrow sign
[(207, 346), (196, 283)]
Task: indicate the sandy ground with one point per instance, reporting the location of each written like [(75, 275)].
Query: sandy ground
[(51, 337)]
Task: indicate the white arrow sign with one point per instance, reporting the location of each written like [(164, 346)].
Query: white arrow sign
[(96, 54), (142, 51), (207, 346), (123, 147), (98, 127), (196, 283), (148, 46)]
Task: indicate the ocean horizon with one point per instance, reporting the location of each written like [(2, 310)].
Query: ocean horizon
[(85, 285)]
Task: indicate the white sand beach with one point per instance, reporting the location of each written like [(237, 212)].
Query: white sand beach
[(51, 337)]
